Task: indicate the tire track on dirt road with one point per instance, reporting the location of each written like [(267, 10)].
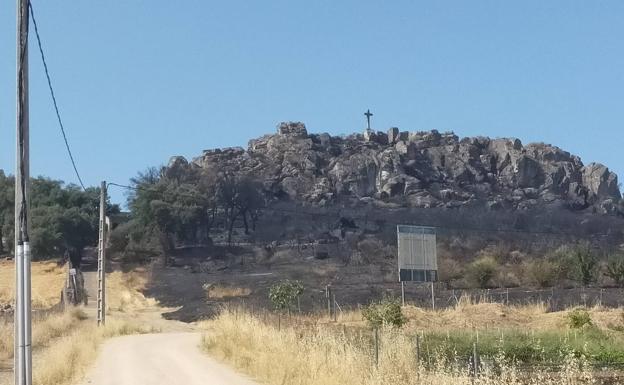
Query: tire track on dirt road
[(159, 359)]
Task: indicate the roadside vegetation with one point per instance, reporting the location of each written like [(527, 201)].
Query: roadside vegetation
[(65, 343), (47, 283), (64, 218), (515, 345)]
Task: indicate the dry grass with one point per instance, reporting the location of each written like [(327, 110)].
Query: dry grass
[(66, 343), (223, 292), (70, 356), (483, 315), (124, 291), (47, 283), (318, 355), (44, 330)]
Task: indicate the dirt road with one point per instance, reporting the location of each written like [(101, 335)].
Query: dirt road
[(159, 359)]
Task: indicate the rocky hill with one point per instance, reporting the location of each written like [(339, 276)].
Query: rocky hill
[(417, 170)]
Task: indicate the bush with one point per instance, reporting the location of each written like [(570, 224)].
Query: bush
[(284, 294), (583, 265), (449, 270), (579, 318), (542, 273), (615, 269), (386, 312), (482, 270)]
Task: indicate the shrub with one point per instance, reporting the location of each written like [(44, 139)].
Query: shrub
[(542, 273), (284, 294), (506, 278), (449, 269), (615, 269), (584, 265), (386, 312), (579, 318), (482, 270)]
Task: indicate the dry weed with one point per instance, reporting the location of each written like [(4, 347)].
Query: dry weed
[(124, 291), (69, 357), (47, 282), (314, 354), (222, 292)]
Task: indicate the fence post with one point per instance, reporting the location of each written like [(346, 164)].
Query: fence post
[(418, 349), (279, 322), (402, 293), (334, 303), (376, 347), (475, 361), (328, 294)]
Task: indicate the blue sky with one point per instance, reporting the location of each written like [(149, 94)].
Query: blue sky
[(140, 81)]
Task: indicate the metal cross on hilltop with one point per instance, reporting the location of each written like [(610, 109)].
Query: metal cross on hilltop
[(368, 116)]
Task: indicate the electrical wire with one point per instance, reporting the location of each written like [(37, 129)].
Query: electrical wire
[(56, 109)]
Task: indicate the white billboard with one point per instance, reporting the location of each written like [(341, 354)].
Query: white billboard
[(418, 260)]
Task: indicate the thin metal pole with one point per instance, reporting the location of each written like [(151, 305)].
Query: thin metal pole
[(475, 360), (328, 294), (418, 349), (403, 293), (101, 295), (22, 338), (432, 296)]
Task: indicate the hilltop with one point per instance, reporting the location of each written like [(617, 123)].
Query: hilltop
[(417, 170)]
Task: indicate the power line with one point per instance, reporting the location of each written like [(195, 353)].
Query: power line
[(337, 215), (56, 109)]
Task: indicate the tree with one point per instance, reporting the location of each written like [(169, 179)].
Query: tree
[(584, 265), (239, 196), (284, 294), (7, 192), (63, 217), (249, 201)]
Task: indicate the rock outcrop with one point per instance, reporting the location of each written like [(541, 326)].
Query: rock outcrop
[(417, 169)]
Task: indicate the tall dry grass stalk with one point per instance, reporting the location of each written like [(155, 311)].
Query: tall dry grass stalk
[(312, 354)]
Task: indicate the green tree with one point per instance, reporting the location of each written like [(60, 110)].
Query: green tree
[(283, 295), (62, 217), (7, 191), (584, 265)]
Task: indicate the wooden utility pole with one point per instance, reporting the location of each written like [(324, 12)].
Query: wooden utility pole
[(101, 294), (22, 339)]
